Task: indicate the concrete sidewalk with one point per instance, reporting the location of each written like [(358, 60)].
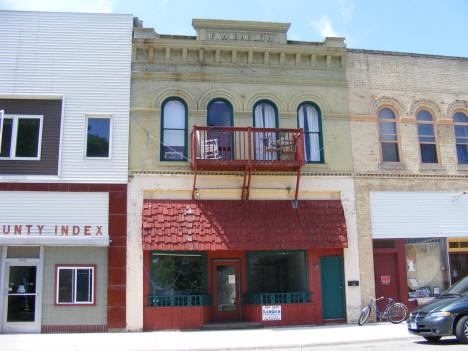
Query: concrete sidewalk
[(286, 338)]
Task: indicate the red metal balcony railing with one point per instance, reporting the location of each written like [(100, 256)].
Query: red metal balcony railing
[(247, 149), (234, 148)]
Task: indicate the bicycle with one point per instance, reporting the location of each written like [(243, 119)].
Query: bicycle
[(396, 312)]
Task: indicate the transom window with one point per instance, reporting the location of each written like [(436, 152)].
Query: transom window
[(75, 285), (460, 121), (388, 136), (427, 139), (98, 137), (174, 130), (309, 120), (21, 137)]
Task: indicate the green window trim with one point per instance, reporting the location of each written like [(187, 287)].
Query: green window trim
[(278, 298), (320, 132), (178, 300), (272, 105)]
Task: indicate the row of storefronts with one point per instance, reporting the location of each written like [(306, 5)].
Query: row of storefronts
[(232, 176)]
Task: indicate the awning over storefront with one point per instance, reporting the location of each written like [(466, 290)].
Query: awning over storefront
[(242, 225)]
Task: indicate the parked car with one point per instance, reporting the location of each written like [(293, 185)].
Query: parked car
[(446, 315)]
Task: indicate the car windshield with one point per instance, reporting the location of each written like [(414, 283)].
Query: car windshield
[(459, 288)]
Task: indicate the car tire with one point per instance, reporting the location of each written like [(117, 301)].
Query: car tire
[(461, 330), (432, 339)]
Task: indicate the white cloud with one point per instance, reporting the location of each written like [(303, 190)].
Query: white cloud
[(101, 6), (324, 26)]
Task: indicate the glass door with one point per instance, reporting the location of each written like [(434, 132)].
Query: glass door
[(226, 291), (21, 300)]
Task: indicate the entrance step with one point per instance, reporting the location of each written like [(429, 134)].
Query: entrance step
[(231, 325)]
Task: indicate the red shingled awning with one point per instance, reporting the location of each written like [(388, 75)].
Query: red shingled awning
[(242, 225)]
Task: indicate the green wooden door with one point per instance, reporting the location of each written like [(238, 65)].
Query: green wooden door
[(331, 277)]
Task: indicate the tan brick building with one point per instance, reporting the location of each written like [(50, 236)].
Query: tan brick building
[(197, 104), (409, 131)]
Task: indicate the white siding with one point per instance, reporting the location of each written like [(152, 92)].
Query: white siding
[(86, 59), (418, 214), (47, 212)]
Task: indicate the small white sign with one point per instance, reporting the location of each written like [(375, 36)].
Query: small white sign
[(271, 313)]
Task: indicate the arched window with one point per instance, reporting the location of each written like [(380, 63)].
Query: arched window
[(389, 147), (308, 116), (427, 139), (174, 130), (220, 115), (460, 121), (265, 116)]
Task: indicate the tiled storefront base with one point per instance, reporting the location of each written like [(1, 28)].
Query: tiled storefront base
[(73, 328)]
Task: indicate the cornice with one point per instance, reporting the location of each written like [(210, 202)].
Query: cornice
[(237, 78)]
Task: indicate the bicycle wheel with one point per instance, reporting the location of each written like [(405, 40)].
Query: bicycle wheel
[(364, 316), (397, 313)]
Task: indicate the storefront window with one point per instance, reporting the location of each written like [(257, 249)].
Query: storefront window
[(177, 274), (426, 267), (277, 277)]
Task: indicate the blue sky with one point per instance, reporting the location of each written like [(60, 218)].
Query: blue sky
[(438, 27)]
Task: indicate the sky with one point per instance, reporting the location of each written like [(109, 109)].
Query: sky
[(436, 27)]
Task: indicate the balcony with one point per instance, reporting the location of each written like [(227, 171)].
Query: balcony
[(247, 149)]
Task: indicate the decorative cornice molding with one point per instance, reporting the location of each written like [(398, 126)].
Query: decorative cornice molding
[(220, 93), (376, 103), (238, 78), (181, 93), (427, 104)]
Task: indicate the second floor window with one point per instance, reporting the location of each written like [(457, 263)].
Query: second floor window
[(427, 140), (460, 121), (21, 137), (174, 130), (98, 137), (388, 136), (309, 120)]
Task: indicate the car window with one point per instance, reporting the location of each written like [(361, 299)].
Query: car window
[(460, 288)]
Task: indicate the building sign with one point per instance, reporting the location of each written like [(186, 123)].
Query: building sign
[(54, 218), (271, 313), (240, 36), (385, 279)]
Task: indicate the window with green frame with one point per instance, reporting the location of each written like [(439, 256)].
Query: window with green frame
[(177, 279), (277, 277), (174, 130), (308, 118)]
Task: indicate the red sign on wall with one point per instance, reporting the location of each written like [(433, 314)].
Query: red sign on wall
[(385, 279)]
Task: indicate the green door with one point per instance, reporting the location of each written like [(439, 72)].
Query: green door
[(331, 277)]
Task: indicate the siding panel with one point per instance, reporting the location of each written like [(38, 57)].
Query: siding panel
[(418, 214), (86, 59)]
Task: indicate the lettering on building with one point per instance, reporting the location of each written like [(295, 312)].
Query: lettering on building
[(240, 36), (51, 230)]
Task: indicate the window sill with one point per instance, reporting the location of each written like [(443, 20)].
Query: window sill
[(431, 167), (396, 166), (462, 167)]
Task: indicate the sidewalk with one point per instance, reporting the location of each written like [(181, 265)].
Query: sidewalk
[(293, 338)]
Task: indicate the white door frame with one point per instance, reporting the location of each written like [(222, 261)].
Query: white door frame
[(21, 327)]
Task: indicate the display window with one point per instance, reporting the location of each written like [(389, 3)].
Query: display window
[(427, 268)]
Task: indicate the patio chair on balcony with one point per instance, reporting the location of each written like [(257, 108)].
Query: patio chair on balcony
[(209, 149)]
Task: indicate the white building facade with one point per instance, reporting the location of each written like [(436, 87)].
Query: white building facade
[(64, 106)]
